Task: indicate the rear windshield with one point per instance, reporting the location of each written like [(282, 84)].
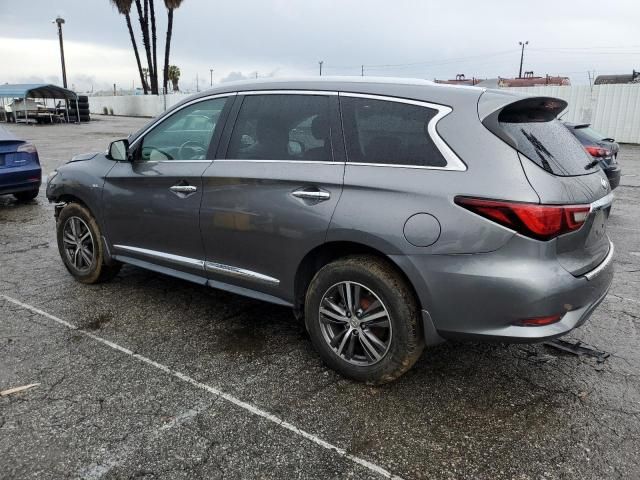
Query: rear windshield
[(550, 145)]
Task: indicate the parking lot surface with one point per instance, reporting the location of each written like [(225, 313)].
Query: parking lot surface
[(152, 377)]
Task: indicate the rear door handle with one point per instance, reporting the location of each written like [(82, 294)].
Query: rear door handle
[(183, 189), (312, 193)]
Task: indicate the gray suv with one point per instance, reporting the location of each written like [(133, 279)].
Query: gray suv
[(389, 214)]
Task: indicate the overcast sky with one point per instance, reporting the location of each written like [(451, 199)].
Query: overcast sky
[(238, 38)]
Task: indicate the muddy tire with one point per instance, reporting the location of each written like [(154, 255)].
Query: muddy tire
[(364, 319), (81, 247)]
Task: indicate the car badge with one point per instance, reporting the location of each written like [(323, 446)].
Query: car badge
[(604, 183)]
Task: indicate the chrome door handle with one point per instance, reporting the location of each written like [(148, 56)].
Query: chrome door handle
[(183, 188), (311, 194)]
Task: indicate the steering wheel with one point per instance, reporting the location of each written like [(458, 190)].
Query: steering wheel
[(192, 150)]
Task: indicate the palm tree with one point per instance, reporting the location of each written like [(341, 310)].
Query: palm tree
[(143, 16), (171, 6), (124, 8), (174, 76), (154, 79)]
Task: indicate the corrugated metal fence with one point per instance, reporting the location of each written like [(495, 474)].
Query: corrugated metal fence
[(611, 109)]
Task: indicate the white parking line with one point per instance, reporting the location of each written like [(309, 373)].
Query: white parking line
[(230, 398)]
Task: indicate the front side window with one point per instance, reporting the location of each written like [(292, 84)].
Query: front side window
[(186, 134), (387, 132), (282, 127)]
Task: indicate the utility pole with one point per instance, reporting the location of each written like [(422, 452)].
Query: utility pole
[(522, 56), (211, 71), (320, 63), (362, 70), (197, 83), (60, 21)]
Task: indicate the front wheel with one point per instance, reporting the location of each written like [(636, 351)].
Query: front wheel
[(81, 247), (363, 319)]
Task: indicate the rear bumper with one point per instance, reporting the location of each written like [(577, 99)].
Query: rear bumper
[(20, 180), (482, 296), (613, 174)]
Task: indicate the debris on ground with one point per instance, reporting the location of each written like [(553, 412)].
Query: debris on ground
[(13, 390), (578, 348)]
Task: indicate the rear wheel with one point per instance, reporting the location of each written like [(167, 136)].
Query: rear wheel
[(26, 196), (363, 319), (81, 247)]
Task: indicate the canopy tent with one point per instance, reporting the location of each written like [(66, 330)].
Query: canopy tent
[(36, 90)]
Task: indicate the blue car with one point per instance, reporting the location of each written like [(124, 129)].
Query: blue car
[(20, 172)]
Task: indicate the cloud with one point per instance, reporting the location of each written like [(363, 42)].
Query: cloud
[(287, 38)]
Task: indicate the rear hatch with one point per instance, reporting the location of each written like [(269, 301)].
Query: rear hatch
[(8, 146), (557, 167)]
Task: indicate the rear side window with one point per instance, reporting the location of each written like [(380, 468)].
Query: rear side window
[(387, 132), (282, 127), (550, 145)]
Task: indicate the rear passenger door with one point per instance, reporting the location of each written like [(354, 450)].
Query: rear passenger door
[(270, 193)]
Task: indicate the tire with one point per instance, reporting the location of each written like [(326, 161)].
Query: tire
[(83, 99), (96, 270), (85, 118), (26, 196), (84, 111), (400, 344)]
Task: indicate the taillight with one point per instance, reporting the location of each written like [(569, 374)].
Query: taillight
[(598, 151), (542, 222), (27, 148)]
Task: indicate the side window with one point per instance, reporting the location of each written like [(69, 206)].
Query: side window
[(282, 127), (386, 132), (186, 134)]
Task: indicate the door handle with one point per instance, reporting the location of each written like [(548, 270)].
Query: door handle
[(183, 188), (312, 194)]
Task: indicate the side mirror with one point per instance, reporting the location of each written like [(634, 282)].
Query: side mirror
[(119, 150)]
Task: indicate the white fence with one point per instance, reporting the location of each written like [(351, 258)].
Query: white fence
[(135, 105), (612, 109)]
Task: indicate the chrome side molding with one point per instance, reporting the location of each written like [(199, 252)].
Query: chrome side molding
[(177, 259), (212, 267), (240, 273)]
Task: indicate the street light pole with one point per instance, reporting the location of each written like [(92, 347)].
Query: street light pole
[(320, 63), (522, 56), (60, 21), (211, 71)]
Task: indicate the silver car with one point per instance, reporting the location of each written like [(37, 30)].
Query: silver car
[(389, 214)]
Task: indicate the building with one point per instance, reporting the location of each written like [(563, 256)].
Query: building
[(634, 77), (461, 80), (529, 80)]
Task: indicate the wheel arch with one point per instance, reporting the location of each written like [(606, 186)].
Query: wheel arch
[(328, 252)]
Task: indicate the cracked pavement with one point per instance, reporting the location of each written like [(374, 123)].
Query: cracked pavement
[(464, 411)]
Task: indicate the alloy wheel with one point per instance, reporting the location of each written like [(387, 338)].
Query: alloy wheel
[(78, 244), (355, 323)]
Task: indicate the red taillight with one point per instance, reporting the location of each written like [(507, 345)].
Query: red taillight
[(598, 151), (538, 321), (27, 148), (542, 222)]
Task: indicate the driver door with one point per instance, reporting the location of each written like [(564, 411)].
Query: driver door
[(152, 202)]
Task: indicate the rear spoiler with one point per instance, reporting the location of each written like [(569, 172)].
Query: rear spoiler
[(507, 107)]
